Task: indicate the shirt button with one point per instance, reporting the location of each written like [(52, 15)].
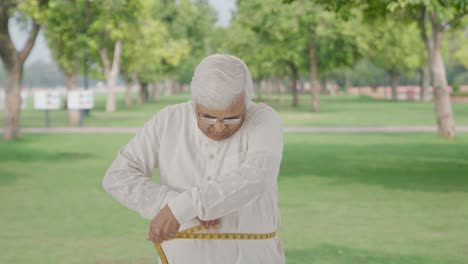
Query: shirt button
[(209, 178), (212, 156)]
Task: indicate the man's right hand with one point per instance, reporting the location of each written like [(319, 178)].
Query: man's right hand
[(209, 224)]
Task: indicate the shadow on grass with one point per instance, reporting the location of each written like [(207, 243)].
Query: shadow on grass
[(327, 253), (7, 177), (12, 153), (432, 167), (32, 155)]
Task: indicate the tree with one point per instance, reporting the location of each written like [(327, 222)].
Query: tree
[(266, 35), (65, 33), (301, 36), (435, 18), (396, 48), (110, 21), (333, 42), (149, 49), (32, 12), (192, 22)]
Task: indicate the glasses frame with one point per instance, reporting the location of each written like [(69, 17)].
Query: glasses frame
[(226, 122)]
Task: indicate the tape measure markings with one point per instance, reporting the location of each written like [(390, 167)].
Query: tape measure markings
[(190, 234)]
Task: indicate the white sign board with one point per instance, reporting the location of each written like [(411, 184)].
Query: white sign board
[(47, 100), (24, 100), (83, 99), (2, 99)]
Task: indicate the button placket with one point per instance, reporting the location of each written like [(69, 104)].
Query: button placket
[(211, 163)]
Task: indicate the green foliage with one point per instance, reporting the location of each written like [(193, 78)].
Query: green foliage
[(266, 35), (34, 9), (192, 23), (66, 33), (365, 73), (444, 11), (148, 47), (396, 47), (271, 35), (110, 21)]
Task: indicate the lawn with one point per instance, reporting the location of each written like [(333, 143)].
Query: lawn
[(342, 110), (344, 198)]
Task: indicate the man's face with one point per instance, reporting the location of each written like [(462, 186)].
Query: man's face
[(221, 124)]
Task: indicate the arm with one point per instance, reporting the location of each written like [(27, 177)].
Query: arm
[(212, 199), (129, 178)]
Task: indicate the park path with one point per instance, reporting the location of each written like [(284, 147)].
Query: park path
[(133, 130)]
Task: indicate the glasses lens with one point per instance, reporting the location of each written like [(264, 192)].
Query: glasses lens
[(232, 121), (209, 121)]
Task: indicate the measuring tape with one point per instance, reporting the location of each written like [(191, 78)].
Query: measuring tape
[(191, 233)]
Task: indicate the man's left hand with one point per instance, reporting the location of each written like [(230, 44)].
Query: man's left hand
[(163, 227)]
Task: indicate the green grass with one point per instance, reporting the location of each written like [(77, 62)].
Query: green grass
[(344, 198), (342, 110)]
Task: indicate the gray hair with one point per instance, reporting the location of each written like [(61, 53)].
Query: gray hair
[(219, 80)]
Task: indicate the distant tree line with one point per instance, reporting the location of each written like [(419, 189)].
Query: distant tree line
[(154, 45)]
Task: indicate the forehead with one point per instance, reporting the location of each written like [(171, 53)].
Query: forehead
[(234, 109)]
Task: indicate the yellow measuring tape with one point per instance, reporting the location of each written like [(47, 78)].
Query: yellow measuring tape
[(191, 233)]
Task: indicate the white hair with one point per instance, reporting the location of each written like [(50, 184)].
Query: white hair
[(219, 80)]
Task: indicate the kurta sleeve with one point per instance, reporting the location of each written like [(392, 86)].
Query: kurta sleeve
[(214, 198), (129, 178)]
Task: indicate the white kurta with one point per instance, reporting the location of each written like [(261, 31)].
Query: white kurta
[(234, 179)]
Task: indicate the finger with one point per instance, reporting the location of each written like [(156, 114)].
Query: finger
[(211, 223), (201, 222), (150, 236), (170, 236), (166, 236), (157, 237), (217, 223)]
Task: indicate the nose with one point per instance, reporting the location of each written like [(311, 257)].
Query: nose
[(219, 126)]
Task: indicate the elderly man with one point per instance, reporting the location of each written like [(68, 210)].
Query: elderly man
[(218, 157)]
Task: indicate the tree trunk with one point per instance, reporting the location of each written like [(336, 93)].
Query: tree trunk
[(394, 80), (263, 88), (443, 105), (13, 61), (257, 90), (130, 82), (12, 110), (276, 86), (144, 93), (269, 86), (314, 83), (347, 79), (426, 69), (293, 83), (111, 72), (156, 92), (73, 114), (282, 90), (128, 94), (169, 87), (323, 86), (178, 87), (424, 82)]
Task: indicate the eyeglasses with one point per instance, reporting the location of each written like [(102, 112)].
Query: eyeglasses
[(214, 121)]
